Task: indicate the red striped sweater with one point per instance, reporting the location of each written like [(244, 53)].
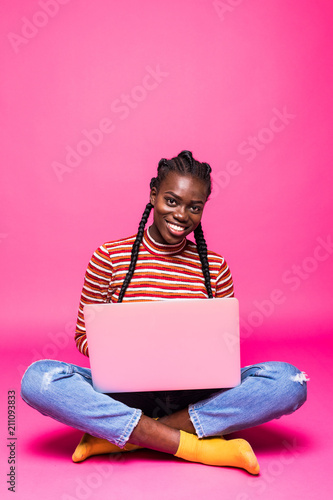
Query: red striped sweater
[(161, 272)]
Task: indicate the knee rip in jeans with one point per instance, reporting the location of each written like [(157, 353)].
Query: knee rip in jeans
[(300, 377), (49, 376)]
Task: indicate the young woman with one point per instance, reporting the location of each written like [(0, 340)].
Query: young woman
[(156, 264)]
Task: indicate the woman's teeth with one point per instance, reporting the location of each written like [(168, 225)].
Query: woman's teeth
[(180, 229)]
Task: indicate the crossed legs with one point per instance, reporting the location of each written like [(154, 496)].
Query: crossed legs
[(65, 393), (168, 435)]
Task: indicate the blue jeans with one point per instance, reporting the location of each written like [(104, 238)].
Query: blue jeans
[(64, 392)]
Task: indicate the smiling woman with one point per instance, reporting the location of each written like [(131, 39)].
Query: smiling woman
[(160, 263), (178, 195)]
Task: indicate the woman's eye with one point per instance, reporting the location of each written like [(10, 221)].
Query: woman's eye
[(196, 209), (170, 201)]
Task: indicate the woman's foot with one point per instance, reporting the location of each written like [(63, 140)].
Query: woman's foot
[(209, 451), (91, 445), (217, 451)]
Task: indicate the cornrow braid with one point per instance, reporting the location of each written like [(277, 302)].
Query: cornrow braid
[(202, 251), (184, 164), (135, 251)]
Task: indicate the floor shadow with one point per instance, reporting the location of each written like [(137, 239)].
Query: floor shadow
[(56, 443), (272, 438)]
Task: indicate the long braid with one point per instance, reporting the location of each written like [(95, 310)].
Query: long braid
[(135, 251), (202, 250)]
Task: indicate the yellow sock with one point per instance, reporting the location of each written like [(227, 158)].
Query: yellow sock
[(217, 451), (91, 445)]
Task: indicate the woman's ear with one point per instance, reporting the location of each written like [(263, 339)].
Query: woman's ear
[(153, 193)]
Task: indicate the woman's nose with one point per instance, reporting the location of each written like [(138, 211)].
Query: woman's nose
[(180, 213)]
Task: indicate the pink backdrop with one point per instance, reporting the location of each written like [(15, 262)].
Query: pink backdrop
[(93, 95)]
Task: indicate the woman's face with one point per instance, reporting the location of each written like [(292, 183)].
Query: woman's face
[(178, 207)]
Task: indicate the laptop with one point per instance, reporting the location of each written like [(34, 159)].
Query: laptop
[(164, 345)]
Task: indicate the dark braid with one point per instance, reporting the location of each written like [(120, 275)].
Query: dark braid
[(135, 251), (183, 164), (202, 251)]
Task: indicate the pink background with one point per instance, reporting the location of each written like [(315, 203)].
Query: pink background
[(222, 80), (222, 77)]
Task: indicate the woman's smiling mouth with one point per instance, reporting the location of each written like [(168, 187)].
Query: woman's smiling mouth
[(176, 228)]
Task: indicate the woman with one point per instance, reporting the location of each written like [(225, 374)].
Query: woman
[(160, 263)]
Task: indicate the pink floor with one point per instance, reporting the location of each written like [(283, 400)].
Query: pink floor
[(294, 452)]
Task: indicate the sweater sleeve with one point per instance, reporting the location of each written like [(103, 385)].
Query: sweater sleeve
[(224, 282), (95, 291)]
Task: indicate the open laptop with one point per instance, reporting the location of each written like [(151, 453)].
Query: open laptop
[(176, 344)]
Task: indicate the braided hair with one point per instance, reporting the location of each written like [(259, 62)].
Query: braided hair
[(183, 164)]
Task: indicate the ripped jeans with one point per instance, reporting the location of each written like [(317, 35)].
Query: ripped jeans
[(64, 392)]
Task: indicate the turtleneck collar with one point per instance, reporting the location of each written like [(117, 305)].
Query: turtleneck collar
[(159, 248)]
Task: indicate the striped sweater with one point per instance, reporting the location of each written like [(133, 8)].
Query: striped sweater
[(161, 272)]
